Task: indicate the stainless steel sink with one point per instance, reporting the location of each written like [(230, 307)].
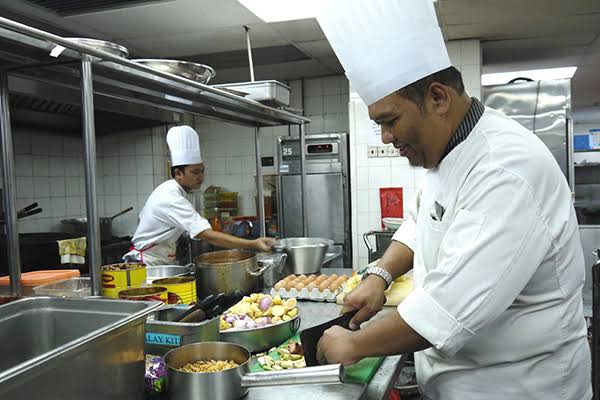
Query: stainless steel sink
[(67, 348)]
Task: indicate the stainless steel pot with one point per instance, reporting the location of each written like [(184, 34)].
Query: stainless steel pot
[(233, 383), (304, 255), (229, 270), (167, 271), (264, 338)]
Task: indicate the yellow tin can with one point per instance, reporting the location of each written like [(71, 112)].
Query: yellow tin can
[(123, 275), (153, 293), (181, 290)]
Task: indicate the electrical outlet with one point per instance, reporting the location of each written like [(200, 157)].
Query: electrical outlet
[(392, 151), (382, 151), (372, 151)]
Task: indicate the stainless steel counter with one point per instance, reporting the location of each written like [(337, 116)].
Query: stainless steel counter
[(314, 313)]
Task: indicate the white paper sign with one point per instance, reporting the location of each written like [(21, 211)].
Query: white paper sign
[(56, 51), (374, 134)]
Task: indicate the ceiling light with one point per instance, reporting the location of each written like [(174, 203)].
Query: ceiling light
[(534, 74), (282, 10)]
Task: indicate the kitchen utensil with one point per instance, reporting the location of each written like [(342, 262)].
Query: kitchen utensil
[(167, 271), (232, 384), (263, 338), (276, 271), (229, 270), (205, 304), (109, 47), (196, 316), (304, 255), (79, 225), (193, 71), (269, 92), (27, 208), (392, 223), (72, 348), (310, 337)]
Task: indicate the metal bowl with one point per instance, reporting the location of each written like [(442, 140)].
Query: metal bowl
[(196, 72), (263, 338), (167, 271), (304, 255), (109, 47)]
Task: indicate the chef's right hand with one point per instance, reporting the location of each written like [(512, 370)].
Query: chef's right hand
[(368, 298)]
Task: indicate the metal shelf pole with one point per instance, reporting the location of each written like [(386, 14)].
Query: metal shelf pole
[(259, 185), (303, 178), (10, 197), (89, 139)]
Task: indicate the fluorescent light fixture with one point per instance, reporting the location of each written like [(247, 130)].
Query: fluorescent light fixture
[(534, 74), (282, 10)]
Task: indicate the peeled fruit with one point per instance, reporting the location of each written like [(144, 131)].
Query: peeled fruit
[(277, 300), (292, 313), (291, 303)]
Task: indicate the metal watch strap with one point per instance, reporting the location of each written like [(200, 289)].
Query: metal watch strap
[(380, 272)]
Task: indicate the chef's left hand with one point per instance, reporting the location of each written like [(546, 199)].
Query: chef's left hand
[(337, 346), (264, 244)]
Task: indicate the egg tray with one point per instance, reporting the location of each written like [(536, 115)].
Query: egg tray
[(305, 294)]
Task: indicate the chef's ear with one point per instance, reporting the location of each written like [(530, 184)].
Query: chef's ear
[(440, 98)]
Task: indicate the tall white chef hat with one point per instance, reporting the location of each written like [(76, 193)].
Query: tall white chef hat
[(384, 45), (184, 145)]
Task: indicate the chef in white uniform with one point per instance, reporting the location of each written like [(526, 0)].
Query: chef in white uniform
[(496, 312), (168, 213)]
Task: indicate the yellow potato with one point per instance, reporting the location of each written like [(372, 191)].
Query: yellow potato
[(277, 300), (254, 297), (292, 313), (278, 311), (290, 303), (286, 317), (275, 320)]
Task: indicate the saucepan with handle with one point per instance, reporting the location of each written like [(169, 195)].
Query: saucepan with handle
[(233, 383)]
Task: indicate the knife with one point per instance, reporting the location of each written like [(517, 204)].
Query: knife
[(310, 337)]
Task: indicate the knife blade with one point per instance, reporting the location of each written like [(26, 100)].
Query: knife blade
[(310, 337)]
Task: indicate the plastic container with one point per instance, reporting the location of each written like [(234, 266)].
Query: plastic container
[(30, 280), (73, 287)]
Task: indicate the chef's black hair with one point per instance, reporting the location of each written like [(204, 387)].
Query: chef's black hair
[(417, 91), (178, 167)]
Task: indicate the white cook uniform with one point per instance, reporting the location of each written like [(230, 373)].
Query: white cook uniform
[(165, 216), (498, 277)]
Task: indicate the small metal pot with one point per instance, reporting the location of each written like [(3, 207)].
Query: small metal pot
[(304, 255), (263, 338), (232, 384)]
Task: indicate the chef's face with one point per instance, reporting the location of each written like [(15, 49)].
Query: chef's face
[(413, 130), (191, 177)]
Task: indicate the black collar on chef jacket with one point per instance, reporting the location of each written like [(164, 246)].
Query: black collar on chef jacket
[(466, 126)]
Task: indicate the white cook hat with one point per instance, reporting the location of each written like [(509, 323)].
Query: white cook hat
[(384, 45), (184, 146)]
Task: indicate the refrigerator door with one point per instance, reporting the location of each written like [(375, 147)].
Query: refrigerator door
[(324, 206), (542, 107)]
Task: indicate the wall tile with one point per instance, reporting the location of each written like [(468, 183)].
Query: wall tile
[(112, 185), (73, 188), (379, 177), (331, 85), (128, 184), (23, 165), (111, 166), (24, 186), (59, 207), (57, 187), (143, 145), (313, 105), (127, 165), (57, 166), (41, 166), (362, 201), (145, 184), (313, 87), (41, 186), (22, 141)]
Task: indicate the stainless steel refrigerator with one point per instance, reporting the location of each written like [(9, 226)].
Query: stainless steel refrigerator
[(327, 194), (543, 107)]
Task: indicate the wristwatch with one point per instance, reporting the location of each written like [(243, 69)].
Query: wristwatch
[(380, 272)]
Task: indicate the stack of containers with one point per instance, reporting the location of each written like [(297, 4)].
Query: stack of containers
[(30, 280), (220, 203), (180, 290), (122, 276)]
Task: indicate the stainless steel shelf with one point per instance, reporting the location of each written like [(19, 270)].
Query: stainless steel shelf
[(29, 57)]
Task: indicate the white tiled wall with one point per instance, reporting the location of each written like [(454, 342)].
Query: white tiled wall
[(49, 169), (130, 165), (229, 152), (370, 174)]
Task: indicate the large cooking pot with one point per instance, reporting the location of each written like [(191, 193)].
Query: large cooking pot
[(79, 225), (226, 271), (232, 384), (167, 271)]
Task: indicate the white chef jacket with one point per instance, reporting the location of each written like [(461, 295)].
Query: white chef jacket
[(498, 273), (165, 216)]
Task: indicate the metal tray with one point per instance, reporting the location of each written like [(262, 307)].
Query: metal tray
[(270, 92), (196, 72), (109, 47)]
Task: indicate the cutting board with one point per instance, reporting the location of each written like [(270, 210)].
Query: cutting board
[(361, 372)]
